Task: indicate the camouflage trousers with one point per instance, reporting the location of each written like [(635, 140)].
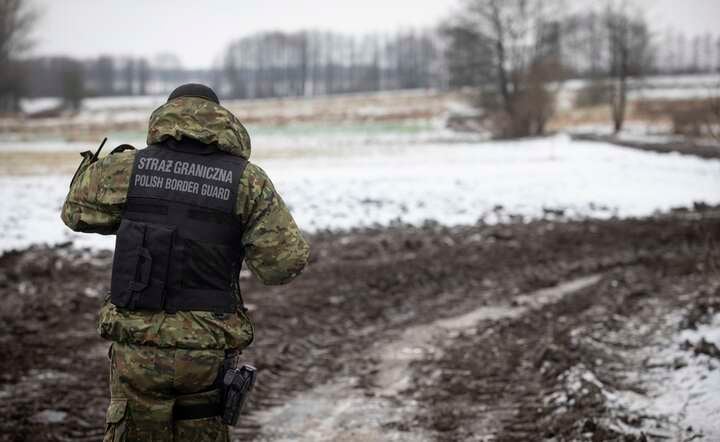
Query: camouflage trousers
[(147, 383)]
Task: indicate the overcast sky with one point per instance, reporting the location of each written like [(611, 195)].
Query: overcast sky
[(198, 31)]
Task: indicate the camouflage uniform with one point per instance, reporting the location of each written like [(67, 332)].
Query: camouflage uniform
[(160, 359)]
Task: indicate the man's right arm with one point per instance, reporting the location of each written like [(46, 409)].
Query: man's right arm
[(275, 250), (98, 194)]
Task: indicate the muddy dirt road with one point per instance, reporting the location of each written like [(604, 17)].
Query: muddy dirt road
[(537, 331)]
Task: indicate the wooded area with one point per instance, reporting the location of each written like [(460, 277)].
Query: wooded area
[(310, 63), (513, 53)]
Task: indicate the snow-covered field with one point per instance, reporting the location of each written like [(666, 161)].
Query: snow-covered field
[(332, 185)]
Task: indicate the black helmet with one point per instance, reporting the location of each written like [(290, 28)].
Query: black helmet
[(194, 90)]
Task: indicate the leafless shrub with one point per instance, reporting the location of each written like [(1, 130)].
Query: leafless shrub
[(615, 44), (595, 93), (690, 120)]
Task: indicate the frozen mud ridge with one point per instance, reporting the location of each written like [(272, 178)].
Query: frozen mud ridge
[(341, 410)]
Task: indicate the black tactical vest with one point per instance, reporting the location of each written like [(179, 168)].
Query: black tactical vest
[(179, 243)]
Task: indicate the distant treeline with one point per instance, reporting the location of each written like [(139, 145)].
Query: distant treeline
[(269, 64), (105, 76), (278, 64), (273, 64)]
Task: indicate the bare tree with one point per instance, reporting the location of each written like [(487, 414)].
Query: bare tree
[(16, 22), (143, 76), (695, 66), (166, 64), (517, 42), (105, 74), (707, 63), (466, 51), (301, 39), (629, 54), (669, 57), (713, 124), (73, 89), (681, 51)]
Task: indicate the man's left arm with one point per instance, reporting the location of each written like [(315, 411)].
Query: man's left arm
[(98, 194)]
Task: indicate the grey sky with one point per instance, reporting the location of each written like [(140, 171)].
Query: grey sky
[(197, 31)]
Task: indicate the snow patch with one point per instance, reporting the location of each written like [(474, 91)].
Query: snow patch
[(679, 401)]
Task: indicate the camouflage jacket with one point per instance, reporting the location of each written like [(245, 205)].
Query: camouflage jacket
[(275, 250)]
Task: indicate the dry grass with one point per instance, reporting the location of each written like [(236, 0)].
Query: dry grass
[(348, 109), (38, 163), (361, 108)]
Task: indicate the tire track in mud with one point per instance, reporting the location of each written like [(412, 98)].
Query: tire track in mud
[(575, 370), (348, 409)]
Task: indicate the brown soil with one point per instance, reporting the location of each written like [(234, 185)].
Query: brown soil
[(365, 288)]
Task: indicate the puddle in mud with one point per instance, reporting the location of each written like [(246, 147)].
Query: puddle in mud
[(338, 411), (34, 382), (341, 411)]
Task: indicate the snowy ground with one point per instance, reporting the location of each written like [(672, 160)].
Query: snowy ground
[(672, 392), (683, 386), (660, 87), (385, 180)]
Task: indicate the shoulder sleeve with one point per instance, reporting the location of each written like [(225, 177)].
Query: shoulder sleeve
[(98, 193), (275, 250)]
